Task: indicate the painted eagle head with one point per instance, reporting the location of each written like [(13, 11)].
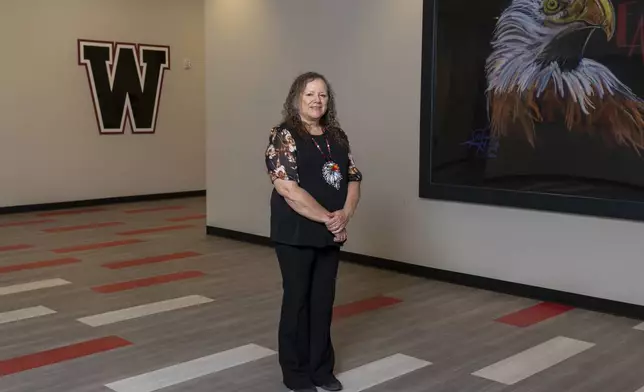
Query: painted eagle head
[(537, 72)]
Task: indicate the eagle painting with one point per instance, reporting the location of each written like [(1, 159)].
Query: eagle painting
[(537, 73)]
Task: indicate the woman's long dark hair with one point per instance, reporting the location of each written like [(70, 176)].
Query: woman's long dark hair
[(291, 113)]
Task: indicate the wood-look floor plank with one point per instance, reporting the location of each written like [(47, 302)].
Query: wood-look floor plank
[(452, 327)]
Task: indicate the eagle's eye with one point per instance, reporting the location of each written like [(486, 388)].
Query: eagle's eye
[(551, 7)]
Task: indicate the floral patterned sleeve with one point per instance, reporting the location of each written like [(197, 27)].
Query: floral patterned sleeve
[(354, 172), (281, 157)]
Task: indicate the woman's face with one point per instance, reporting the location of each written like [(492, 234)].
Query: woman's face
[(314, 100)]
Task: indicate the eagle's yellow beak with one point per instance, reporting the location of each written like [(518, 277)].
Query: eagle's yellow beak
[(600, 13)]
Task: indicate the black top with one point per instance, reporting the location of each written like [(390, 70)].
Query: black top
[(290, 156)]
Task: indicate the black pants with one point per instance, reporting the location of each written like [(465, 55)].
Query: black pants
[(306, 353)]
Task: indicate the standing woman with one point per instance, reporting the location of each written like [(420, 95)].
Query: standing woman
[(316, 192)]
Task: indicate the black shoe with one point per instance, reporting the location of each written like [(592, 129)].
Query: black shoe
[(307, 389), (332, 385)]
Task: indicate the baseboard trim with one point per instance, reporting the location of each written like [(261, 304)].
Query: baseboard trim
[(98, 202), (517, 289)]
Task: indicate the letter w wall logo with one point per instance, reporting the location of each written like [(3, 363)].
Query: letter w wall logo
[(126, 82)]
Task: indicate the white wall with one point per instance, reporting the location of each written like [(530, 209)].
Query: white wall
[(371, 51), (50, 147)]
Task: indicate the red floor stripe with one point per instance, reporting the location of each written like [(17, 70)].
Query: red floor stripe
[(155, 230), (186, 218), (38, 264), (72, 212), (8, 248), (100, 245), (149, 260), (60, 354), (534, 314), (82, 227), (153, 209), (351, 309), (159, 279), (25, 223)]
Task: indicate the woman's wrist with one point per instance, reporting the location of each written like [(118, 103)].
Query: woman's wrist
[(325, 218)]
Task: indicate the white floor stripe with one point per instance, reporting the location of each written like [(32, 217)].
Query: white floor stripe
[(144, 310), (534, 360), (377, 372), (41, 284), (640, 390), (186, 371), (641, 328), (23, 314)]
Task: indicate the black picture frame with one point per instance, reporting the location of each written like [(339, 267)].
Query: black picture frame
[(561, 203)]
